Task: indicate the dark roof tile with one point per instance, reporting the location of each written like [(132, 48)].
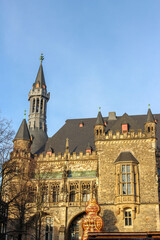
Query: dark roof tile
[(23, 132), (126, 157)]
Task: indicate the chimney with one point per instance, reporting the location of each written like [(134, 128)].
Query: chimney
[(112, 116)]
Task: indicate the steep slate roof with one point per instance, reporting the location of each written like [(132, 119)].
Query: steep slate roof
[(23, 132), (40, 77), (39, 140), (99, 120), (80, 136), (126, 156), (150, 117)]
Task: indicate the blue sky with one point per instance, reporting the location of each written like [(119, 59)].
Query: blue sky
[(97, 53)]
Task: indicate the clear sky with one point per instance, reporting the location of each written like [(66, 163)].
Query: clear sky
[(97, 53)]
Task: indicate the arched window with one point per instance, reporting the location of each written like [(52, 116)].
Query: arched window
[(33, 106), (41, 105), (44, 193), (55, 192), (37, 105), (49, 229), (74, 187), (86, 188), (32, 194)]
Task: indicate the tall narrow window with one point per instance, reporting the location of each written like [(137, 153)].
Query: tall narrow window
[(128, 217), (32, 194), (33, 106), (86, 192), (37, 106), (41, 105), (44, 193), (73, 192), (55, 192), (126, 179), (49, 229)]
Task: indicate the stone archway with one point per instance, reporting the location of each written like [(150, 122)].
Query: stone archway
[(75, 230)]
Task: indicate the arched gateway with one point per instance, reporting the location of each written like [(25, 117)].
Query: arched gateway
[(75, 230)]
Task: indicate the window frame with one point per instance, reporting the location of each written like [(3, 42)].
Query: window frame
[(128, 220)]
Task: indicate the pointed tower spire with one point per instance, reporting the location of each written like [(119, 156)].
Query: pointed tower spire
[(38, 97), (23, 132), (99, 126), (150, 117), (99, 120), (40, 80), (150, 125), (22, 140)]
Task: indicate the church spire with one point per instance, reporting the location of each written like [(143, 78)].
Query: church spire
[(38, 97), (40, 80)]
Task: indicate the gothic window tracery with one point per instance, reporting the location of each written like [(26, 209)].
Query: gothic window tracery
[(32, 194), (73, 194), (37, 105), (41, 105), (55, 192), (85, 190), (44, 193), (49, 228), (33, 106)]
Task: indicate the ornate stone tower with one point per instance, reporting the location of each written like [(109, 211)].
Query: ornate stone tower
[(150, 125), (38, 97), (99, 126)]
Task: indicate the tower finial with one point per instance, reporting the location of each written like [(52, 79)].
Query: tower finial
[(149, 106), (41, 57), (25, 114), (99, 109)]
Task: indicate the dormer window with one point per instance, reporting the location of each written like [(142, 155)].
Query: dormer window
[(37, 85), (125, 127), (44, 86), (81, 124)]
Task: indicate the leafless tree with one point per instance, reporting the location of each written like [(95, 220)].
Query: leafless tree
[(6, 137)]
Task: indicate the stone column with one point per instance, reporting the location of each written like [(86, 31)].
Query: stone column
[(62, 233)]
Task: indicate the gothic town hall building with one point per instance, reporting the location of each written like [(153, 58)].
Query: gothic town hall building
[(115, 159)]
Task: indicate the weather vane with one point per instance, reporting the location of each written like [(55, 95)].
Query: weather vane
[(41, 57), (25, 114)]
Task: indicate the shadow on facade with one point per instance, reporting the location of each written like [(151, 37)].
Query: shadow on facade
[(109, 221)]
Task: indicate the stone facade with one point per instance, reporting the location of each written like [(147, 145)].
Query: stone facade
[(121, 173)]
